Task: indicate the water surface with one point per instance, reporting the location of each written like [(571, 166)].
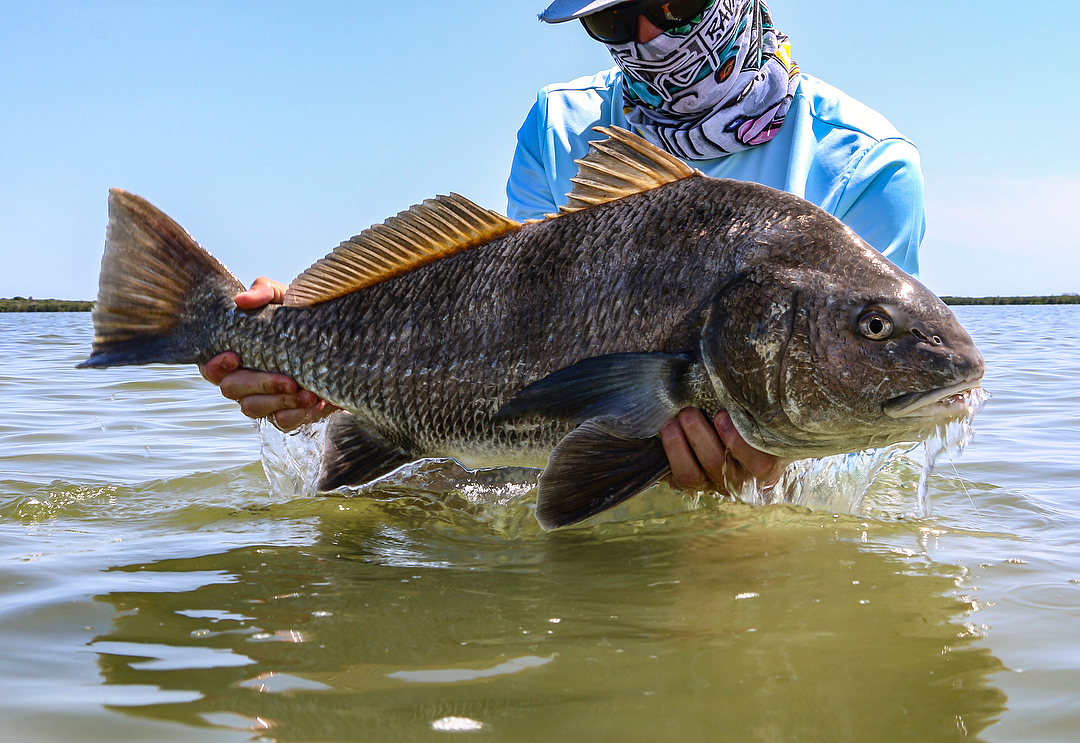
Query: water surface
[(156, 588)]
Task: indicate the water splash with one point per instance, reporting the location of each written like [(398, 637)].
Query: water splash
[(889, 482), (503, 498), (953, 436), (442, 489), (292, 460)]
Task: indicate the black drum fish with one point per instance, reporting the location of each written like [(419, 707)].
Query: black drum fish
[(450, 330)]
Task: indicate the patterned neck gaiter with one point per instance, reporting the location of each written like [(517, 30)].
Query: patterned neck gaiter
[(719, 85)]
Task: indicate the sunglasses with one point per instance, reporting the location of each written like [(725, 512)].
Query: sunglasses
[(619, 24)]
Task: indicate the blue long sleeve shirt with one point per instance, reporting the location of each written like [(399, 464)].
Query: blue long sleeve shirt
[(832, 151)]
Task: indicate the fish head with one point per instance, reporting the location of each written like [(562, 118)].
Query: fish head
[(823, 357)]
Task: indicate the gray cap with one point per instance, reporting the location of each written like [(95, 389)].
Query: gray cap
[(568, 10)]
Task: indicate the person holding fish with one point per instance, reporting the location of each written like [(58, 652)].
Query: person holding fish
[(712, 82)]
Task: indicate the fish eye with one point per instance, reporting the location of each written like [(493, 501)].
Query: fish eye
[(875, 324)]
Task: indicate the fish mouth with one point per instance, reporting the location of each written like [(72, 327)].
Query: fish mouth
[(944, 402)]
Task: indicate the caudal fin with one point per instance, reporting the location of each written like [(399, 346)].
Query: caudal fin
[(159, 292)]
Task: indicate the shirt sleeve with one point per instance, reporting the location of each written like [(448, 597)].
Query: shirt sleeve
[(883, 202), (528, 191)]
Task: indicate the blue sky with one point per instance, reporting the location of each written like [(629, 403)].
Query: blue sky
[(273, 130)]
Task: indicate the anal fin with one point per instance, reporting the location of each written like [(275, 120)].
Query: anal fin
[(596, 466), (355, 454)]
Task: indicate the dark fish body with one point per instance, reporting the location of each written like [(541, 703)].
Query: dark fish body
[(582, 334)]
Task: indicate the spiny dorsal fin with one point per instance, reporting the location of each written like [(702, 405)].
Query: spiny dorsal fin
[(621, 165), (435, 229)]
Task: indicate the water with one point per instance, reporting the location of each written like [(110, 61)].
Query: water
[(155, 589)]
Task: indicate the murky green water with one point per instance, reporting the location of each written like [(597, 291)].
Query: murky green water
[(153, 589)]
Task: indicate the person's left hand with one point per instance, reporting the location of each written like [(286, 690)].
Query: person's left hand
[(713, 455), (264, 394)]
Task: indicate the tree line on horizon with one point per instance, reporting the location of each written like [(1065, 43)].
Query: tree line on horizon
[(29, 304), (1051, 299)]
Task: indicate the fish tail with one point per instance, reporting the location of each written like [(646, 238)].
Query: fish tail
[(161, 297)]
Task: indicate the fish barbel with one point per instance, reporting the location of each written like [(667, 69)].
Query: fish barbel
[(450, 330)]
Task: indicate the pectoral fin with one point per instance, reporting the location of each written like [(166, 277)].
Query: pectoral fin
[(642, 391), (596, 466), (355, 454)]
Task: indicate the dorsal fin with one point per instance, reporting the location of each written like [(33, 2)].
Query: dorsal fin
[(435, 229), (621, 165)]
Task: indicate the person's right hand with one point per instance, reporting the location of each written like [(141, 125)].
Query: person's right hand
[(264, 394), (714, 455)]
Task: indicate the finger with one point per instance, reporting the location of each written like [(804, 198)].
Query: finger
[(756, 463), (262, 406), (215, 369), (245, 382), (287, 420), (685, 470), (263, 291), (706, 444)]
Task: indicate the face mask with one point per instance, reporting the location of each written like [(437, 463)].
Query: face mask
[(721, 84)]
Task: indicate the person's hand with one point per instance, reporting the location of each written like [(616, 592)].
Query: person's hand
[(264, 394), (263, 292), (705, 455)]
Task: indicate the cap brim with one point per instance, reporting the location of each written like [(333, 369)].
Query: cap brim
[(568, 10)]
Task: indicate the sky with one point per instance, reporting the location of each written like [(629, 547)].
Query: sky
[(274, 130)]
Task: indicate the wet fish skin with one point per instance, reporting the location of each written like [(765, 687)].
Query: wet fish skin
[(429, 367), (576, 337)]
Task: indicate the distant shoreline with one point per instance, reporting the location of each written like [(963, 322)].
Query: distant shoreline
[(1054, 299), (23, 304)]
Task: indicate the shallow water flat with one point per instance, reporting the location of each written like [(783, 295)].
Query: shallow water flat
[(154, 587)]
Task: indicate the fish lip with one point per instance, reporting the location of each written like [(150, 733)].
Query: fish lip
[(932, 403)]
